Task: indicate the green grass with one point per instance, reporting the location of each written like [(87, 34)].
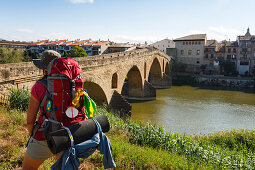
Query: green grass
[(140, 146)]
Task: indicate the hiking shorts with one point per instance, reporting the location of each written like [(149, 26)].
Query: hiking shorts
[(39, 150)]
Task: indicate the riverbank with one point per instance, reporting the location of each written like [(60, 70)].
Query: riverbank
[(141, 146), (246, 84)]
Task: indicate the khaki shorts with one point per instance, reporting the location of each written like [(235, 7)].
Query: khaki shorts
[(39, 150)]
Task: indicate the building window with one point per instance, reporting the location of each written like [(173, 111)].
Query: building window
[(199, 42), (206, 56), (192, 42), (189, 52), (228, 56), (182, 52), (198, 52), (198, 62), (212, 55), (229, 50), (233, 56), (186, 43), (189, 43), (234, 50), (196, 43), (183, 43)]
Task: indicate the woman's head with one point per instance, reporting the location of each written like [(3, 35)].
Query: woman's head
[(46, 58)]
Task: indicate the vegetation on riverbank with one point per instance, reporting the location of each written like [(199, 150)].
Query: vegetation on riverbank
[(137, 145), (141, 146)]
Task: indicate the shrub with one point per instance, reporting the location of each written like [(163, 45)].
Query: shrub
[(19, 99)]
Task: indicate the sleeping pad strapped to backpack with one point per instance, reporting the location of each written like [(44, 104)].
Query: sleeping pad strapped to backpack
[(63, 80)]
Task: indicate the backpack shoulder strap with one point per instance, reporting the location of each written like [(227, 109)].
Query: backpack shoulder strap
[(43, 81)]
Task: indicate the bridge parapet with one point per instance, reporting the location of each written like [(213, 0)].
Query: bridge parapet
[(107, 59), (103, 74)]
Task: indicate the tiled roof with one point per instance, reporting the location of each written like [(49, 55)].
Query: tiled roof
[(39, 42), (220, 47), (96, 43), (48, 43), (121, 45), (54, 42), (68, 43), (90, 43), (82, 42), (211, 43), (14, 42), (192, 37), (231, 44), (99, 43)]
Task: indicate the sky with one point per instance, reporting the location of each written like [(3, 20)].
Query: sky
[(134, 21)]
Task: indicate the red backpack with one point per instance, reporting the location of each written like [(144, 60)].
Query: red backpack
[(63, 80)]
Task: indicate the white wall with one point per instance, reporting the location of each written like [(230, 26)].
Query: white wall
[(163, 44)]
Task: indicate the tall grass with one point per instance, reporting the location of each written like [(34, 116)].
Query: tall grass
[(19, 99), (206, 150)]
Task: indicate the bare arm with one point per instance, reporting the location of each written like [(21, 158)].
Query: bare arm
[(32, 113)]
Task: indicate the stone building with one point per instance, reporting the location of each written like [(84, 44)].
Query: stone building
[(211, 61), (190, 51), (245, 63), (163, 44), (120, 47)]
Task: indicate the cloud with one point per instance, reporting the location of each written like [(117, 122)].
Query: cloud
[(219, 33), (81, 1), (24, 30)]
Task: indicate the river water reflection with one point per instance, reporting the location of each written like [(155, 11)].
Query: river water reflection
[(191, 110)]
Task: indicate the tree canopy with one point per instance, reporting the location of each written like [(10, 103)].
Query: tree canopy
[(77, 51)]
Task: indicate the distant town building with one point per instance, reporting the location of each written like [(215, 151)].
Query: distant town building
[(163, 44), (64, 46), (96, 47), (245, 63), (120, 47), (13, 44), (190, 51), (211, 61)]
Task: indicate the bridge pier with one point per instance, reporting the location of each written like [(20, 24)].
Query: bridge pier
[(160, 83), (119, 105), (145, 94)]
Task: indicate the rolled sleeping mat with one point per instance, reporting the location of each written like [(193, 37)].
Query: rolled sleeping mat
[(59, 140)]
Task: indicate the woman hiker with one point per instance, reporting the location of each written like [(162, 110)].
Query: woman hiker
[(37, 149)]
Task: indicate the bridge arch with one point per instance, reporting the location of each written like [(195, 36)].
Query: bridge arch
[(114, 81), (155, 73), (167, 69), (96, 92), (133, 83), (145, 70)]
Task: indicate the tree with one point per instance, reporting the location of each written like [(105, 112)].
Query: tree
[(8, 55), (27, 57), (66, 54), (77, 51)]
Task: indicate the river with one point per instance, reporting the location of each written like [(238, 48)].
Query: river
[(191, 110)]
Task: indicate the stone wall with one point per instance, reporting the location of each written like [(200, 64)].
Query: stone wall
[(232, 82)]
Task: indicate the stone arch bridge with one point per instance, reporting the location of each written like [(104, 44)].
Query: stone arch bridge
[(110, 78)]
